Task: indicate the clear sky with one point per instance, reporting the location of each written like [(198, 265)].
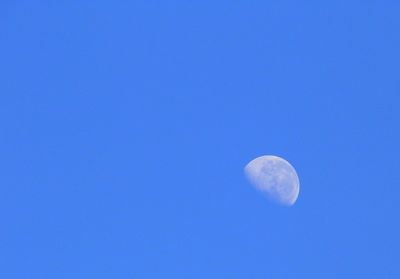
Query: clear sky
[(125, 127)]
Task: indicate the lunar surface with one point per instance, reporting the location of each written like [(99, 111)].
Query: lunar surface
[(275, 177)]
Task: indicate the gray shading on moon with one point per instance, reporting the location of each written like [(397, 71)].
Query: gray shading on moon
[(275, 177)]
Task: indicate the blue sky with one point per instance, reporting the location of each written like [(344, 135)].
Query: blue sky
[(125, 127)]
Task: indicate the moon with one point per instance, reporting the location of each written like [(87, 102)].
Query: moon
[(275, 177)]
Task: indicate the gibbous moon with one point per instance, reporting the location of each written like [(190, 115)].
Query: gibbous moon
[(275, 177)]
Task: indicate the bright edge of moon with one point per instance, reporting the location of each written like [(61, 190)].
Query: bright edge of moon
[(275, 177)]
